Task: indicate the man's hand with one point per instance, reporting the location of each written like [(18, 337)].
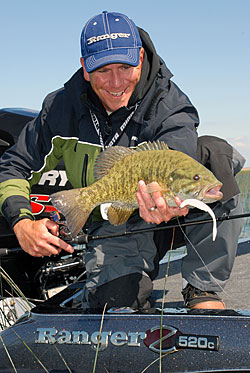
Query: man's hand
[(153, 208), (40, 238)]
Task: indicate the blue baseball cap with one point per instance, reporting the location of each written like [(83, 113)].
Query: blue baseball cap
[(110, 38)]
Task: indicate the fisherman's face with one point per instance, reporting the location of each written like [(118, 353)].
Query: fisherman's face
[(114, 83)]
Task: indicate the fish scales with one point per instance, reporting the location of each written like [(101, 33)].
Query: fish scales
[(122, 181), (118, 171)]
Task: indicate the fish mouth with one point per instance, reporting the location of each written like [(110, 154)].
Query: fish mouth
[(213, 192)]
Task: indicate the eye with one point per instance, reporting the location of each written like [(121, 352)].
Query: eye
[(196, 177), (126, 67), (102, 70)]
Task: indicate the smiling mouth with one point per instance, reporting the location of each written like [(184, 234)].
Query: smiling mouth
[(117, 94)]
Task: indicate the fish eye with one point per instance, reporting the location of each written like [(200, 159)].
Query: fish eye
[(196, 177)]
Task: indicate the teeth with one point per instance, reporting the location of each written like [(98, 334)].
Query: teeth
[(116, 93)]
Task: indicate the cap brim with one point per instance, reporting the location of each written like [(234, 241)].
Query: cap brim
[(129, 56)]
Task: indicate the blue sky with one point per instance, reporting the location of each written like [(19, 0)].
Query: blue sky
[(204, 43)]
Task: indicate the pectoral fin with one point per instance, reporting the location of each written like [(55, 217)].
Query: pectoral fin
[(118, 215), (155, 187)]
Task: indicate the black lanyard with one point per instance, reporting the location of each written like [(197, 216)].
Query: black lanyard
[(117, 134)]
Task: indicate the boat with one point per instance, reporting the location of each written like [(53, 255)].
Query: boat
[(56, 335), (48, 330)]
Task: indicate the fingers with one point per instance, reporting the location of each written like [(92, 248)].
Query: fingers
[(55, 240), (183, 211), (152, 206), (147, 201), (56, 245), (40, 238)]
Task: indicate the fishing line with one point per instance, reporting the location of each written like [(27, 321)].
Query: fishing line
[(204, 264), (163, 297)]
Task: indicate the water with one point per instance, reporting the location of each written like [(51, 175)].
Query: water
[(243, 179)]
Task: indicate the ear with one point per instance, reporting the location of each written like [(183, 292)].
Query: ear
[(141, 55), (85, 73)]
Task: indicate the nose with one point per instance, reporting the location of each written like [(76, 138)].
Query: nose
[(116, 79)]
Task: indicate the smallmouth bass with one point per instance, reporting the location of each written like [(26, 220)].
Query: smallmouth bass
[(119, 169)]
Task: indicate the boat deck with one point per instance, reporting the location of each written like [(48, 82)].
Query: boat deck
[(236, 294)]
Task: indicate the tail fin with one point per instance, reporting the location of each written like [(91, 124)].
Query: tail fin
[(66, 203)]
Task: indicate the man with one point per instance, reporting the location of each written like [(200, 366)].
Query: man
[(122, 95)]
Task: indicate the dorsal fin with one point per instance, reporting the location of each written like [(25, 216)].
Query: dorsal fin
[(106, 159), (155, 145)]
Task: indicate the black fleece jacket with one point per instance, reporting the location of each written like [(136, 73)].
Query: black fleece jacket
[(64, 129)]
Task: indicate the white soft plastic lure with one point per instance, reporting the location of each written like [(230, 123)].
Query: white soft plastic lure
[(201, 206)]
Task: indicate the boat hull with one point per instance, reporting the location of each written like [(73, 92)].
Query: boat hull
[(192, 341)]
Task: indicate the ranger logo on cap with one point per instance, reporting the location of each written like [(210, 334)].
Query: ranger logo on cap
[(114, 35)]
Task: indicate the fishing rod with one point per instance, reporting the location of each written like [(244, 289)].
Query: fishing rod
[(85, 238)]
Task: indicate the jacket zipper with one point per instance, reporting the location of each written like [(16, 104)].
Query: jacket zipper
[(84, 170)]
